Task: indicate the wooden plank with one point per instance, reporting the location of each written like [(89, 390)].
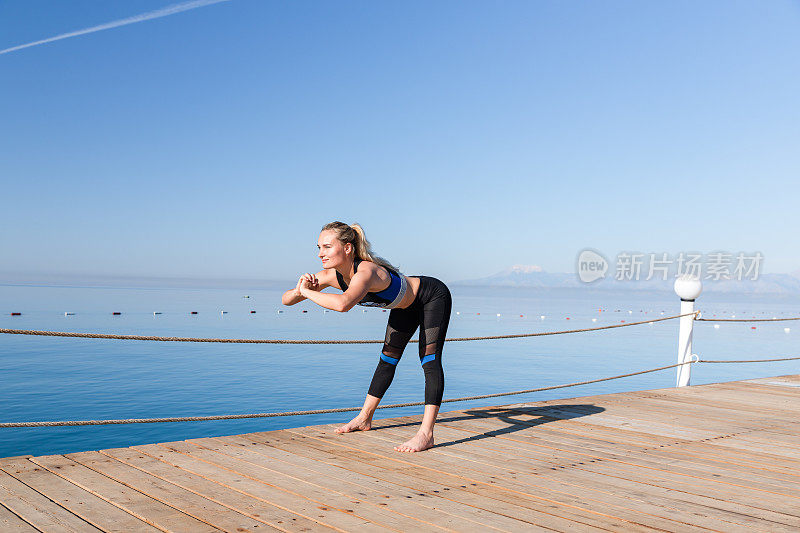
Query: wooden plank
[(434, 466), (507, 467), (597, 463), (444, 484), (493, 514), (38, 510), (189, 503), (674, 453), (310, 484), (431, 509), (621, 450), (498, 446), (84, 504), (641, 411), (11, 523), (128, 499), (177, 453), (275, 517), (573, 456)]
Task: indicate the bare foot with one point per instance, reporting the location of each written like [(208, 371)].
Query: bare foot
[(419, 442), (356, 424)]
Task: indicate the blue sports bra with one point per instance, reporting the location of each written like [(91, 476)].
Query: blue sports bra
[(388, 298)]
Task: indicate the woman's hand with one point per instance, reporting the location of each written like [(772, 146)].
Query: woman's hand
[(307, 282)]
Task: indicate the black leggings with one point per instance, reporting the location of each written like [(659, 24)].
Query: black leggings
[(431, 310)]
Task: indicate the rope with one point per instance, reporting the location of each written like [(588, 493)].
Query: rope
[(308, 341), (316, 411), (350, 409), (750, 360), (745, 319)]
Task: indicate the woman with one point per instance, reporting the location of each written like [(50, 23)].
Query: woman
[(420, 301)]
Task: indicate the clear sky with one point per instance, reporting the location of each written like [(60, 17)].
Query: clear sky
[(464, 136)]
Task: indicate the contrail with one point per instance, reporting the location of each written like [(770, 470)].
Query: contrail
[(158, 13)]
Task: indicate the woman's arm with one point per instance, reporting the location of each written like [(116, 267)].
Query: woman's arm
[(359, 286), (319, 281)]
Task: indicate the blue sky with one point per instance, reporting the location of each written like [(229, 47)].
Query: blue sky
[(464, 136)]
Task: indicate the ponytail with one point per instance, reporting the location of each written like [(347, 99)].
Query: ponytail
[(354, 234)]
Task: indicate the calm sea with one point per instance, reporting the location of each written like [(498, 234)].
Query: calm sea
[(44, 378)]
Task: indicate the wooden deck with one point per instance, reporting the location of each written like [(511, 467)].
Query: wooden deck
[(722, 457)]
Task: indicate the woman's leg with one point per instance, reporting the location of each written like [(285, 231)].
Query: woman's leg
[(401, 327), (434, 320)]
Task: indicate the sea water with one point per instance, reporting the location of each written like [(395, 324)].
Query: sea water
[(49, 378)]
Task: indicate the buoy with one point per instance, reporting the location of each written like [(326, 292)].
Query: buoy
[(324, 311), (541, 317), (193, 313), (68, 314), (384, 310), (116, 313), (522, 316), (303, 311), (223, 312), (594, 320), (279, 311), (253, 312), (630, 312), (733, 316), (16, 314), (752, 327), (156, 313), (477, 313), (498, 315), (786, 330), (458, 312), (567, 318), (245, 297), (716, 326), (650, 323), (622, 321)]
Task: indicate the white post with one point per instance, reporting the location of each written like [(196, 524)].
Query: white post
[(688, 288)]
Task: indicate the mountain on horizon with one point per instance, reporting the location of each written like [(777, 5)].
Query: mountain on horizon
[(535, 276)]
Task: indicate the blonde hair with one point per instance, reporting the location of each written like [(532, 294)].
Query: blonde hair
[(354, 234)]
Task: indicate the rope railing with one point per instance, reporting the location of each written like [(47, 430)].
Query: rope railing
[(699, 319), (313, 341), (351, 409)]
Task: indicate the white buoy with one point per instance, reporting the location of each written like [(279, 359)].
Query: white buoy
[(733, 316), (498, 315), (630, 312), (716, 326), (650, 323), (594, 320), (786, 330), (458, 312), (541, 317)]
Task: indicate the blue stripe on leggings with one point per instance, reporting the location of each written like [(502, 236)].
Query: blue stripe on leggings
[(428, 358), (389, 359)]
